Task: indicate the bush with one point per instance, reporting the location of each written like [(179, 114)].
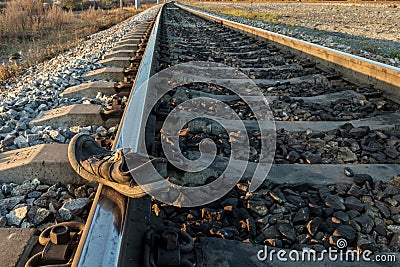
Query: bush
[(71, 4), (21, 18)]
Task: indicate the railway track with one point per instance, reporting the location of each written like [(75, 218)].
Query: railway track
[(327, 136)]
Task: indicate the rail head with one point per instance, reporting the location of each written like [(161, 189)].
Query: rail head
[(101, 240)]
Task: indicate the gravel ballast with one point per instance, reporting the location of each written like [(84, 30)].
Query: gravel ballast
[(38, 88), (369, 30), (36, 205)]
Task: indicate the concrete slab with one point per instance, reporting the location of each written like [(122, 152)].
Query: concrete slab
[(135, 35), (121, 53), (138, 32), (89, 89), (116, 62), (328, 173), (226, 79), (126, 47), (130, 40), (47, 162), (381, 122), (15, 246), (387, 121), (107, 73), (73, 115), (142, 27), (327, 98), (318, 174)]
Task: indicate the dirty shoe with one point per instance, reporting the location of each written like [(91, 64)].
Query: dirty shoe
[(97, 164)]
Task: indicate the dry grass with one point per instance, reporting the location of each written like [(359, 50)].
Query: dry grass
[(250, 14), (240, 12), (31, 34)]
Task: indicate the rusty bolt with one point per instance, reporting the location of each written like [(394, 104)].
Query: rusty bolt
[(171, 239), (60, 234)]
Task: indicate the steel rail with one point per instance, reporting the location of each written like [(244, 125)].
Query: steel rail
[(363, 70), (100, 244)]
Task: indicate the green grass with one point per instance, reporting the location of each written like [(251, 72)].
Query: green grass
[(394, 53)]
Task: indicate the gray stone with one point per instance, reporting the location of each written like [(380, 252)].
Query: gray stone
[(57, 136), (353, 203), (354, 190), (395, 242), (293, 156), (29, 201), (21, 142), (23, 189), (365, 222), (41, 215), (16, 216), (101, 131), (345, 231), (5, 129), (287, 231), (21, 126), (258, 206), (42, 188), (360, 179), (383, 208), (394, 228), (32, 137), (6, 189), (391, 152), (311, 158), (380, 229), (342, 216), (364, 244), (35, 182), (391, 190), (36, 129), (347, 155), (277, 195), (359, 132), (335, 202), (3, 221), (302, 215), (10, 203), (396, 218), (395, 181), (42, 107), (44, 200), (27, 225), (348, 172), (210, 215), (313, 225), (72, 208), (8, 141)]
